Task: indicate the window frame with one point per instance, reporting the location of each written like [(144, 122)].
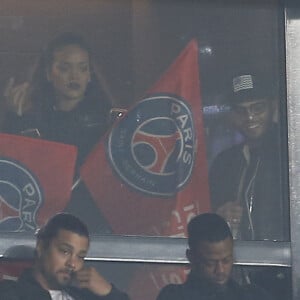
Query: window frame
[(258, 253)]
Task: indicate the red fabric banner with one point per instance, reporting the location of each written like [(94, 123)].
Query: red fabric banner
[(149, 176), (13, 269), (35, 180)]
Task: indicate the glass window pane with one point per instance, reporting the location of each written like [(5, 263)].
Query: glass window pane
[(151, 94)]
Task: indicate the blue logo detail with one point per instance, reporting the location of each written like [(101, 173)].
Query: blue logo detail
[(20, 197), (152, 148)]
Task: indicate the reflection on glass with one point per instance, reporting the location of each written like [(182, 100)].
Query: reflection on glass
[(68, 99)]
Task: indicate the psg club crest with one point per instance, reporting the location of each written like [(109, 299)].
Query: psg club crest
[(152, 148), (20, 197)]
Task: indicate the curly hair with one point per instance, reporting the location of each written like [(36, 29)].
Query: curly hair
[(61, 221)]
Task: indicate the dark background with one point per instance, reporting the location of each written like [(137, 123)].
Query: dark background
[(134, 41)]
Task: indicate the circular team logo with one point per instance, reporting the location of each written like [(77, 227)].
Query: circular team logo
[(152, 147), (20, 197)]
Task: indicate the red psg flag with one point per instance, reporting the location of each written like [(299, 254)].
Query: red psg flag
[(150, 175), (35, 180)]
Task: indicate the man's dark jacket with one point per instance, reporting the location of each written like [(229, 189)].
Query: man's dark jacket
[(27, 288), (270, 206), (196, 289)]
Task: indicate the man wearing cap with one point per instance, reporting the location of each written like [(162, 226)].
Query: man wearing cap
[(245, 180)]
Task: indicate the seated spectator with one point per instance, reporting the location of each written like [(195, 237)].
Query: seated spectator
[(59, 271), (210, 255)]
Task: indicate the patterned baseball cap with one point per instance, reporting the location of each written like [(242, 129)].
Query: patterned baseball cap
[(248, 87)]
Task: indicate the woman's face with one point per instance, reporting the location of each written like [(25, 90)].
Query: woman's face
[(69, 75)]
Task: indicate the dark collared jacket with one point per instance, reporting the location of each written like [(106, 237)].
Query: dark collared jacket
[(263, 189), (27, 288), (196, 289)]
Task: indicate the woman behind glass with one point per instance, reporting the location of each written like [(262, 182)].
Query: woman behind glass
[(64, 102)]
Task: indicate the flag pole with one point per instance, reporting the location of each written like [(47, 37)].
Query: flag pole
[(75, 184)]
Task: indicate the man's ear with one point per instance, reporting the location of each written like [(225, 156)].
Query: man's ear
[(39, 248)]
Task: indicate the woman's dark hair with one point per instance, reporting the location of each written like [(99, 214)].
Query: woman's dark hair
[(207, 227), (61, 221), (42, 93)]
